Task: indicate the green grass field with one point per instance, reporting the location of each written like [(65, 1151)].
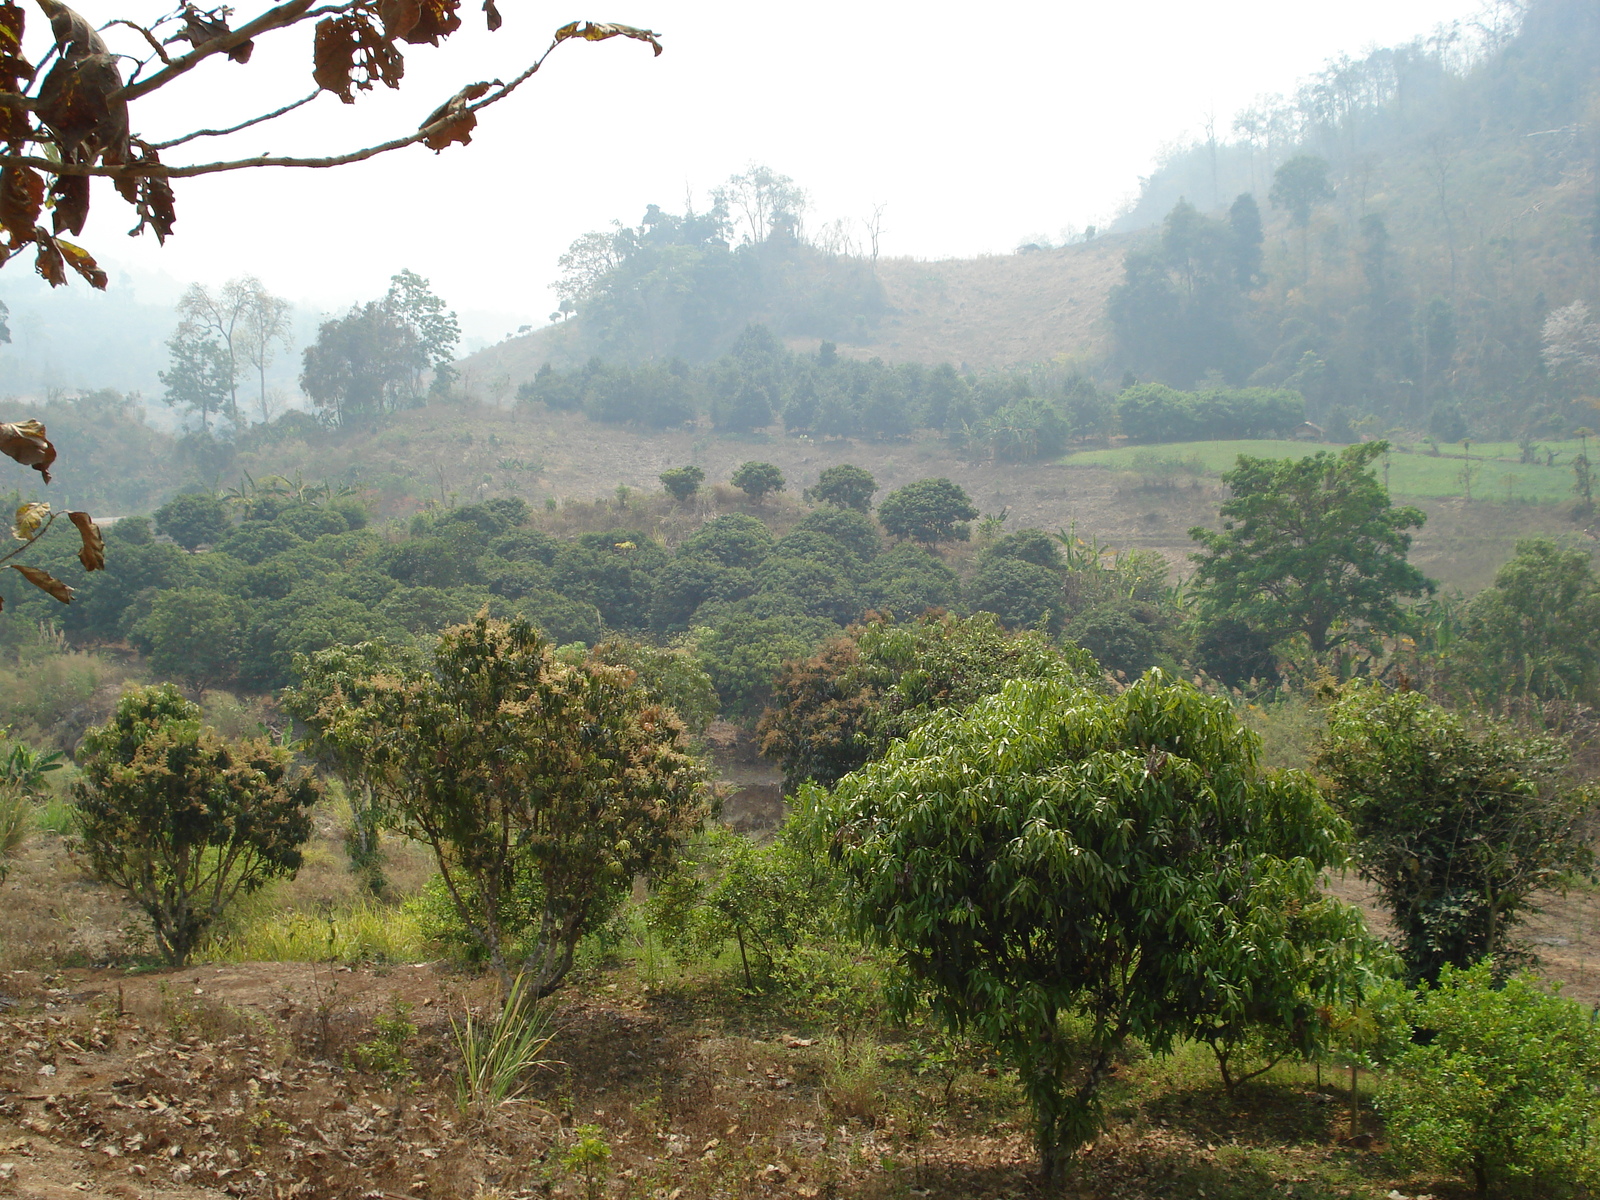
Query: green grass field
[(1497, 475)]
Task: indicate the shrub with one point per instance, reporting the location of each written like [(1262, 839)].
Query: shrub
[(182, 820), (682, 482), (1503, 1089), (757, 480)]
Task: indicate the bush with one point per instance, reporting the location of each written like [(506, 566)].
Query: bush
[(182, 820), (1503, 1089)]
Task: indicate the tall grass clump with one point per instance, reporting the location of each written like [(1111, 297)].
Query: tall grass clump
[(365, 932), (16, 822), (498, 1056)]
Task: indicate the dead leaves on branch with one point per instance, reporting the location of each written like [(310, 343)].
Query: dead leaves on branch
[(44, 581), (79, 114), (25, 442), (599, 31), (92, 554)]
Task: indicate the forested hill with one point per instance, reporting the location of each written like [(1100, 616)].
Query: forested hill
[(1029, 307), (1410, 241)]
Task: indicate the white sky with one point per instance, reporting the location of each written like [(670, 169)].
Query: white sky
[(973, 130)]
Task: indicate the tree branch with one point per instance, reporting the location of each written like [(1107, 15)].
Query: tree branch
[(274, 18), (199, 133)]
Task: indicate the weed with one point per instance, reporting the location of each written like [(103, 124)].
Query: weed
[(589, 1157), (55, 816), (15, 819), (853, 1079), (385, 1053), (367, 932)]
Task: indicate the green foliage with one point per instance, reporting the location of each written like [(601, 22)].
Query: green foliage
[(192, 634), (182, 820), (1021, 432), (1500, 1086), (929, 511), (589, 1158), (845, 486), (758, 480), (1458, 828), (1153, 412), (1312, 547), (1299, 185), (766, 899), (516, 769), (734, 540), (1053, 852), (1536, 630), (193, 520), (682, 482), (743, 654), (386, 1052), (843, 706)]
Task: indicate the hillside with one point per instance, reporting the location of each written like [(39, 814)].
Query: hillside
[(976, 313)]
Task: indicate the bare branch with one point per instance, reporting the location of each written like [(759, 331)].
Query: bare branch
[(199, 133), (274, 18), (138, 170), (144, 33)]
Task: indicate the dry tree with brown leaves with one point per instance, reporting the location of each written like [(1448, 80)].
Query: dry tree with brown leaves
[(75, 123)]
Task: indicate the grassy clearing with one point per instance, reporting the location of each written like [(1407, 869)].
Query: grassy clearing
[(1496, 473), (363, 932)]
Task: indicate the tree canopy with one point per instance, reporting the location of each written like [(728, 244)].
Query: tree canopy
[(1310, 546), (1123, 861)]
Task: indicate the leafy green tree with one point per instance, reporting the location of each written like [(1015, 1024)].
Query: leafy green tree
[(1458, 828), (733, 539), (183, 820), (326, 679), (193, 520), (682, 482), (363, 365), (434, 330), (1536, 630), (193, 634), (853, 529), (908, 581), (1054, 855), (1022, 594), (689, 581), (846, 486), (1502, 1089), (522, 772), (1298, 186), (1310, 546), (929, 511), (744, 651), (199, 376), (1120, 640), (758, 480), (841, 707)]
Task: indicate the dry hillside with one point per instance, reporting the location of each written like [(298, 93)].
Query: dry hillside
[(979, 313)]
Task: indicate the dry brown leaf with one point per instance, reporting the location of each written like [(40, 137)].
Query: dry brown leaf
[(25, 442), (436, 19), (349, 51), (44, 581), (93, 552), (200, 28), (81, 261), (599, 31), (494, 19), (399, 17), (462, 122), (21, 201), (70, 194), (29, 517)]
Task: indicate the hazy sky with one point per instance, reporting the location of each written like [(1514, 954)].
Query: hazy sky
[(974, 127)]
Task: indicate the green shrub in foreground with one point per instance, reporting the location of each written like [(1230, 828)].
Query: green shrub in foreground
[(1504, 1089)]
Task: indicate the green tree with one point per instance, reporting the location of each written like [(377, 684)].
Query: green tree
[(682, 482), (841, 707), (757, 480), (194, 519), (199, 375), (525, 776), (183, 820), (434, 330), (1536, 630), (1310, 546), (1458, 828), (326, 679), (1298, 186), (929, 511), (1058, 870), (193, 634), (1502, 1089), (363, 365), (846, 486)]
